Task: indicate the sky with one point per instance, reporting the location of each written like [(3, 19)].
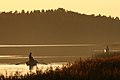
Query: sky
[(104, 7)]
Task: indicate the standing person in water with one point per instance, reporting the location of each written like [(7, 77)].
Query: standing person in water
[(30, 57), (31, 63)]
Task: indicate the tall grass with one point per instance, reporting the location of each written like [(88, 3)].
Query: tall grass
[(89, 69)]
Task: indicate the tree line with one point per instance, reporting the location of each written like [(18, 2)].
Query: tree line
[(59, 10)]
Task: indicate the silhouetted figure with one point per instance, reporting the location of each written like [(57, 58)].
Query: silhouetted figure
[(106, 50), (30, 57), (31, 63)]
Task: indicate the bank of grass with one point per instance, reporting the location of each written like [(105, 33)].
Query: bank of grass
[(89, 69)]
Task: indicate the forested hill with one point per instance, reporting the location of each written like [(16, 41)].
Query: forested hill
[(57, 27)]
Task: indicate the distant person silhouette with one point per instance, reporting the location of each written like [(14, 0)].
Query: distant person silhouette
[(30, 57), (31, 63), (107, 49)]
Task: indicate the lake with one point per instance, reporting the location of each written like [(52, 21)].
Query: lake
[(13, 54)]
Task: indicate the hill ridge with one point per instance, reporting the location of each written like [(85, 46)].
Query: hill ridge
[(57, 26)]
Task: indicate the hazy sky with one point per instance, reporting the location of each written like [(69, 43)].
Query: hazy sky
[(106, 7)]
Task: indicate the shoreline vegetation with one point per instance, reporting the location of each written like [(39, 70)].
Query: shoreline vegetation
[(89, 69)]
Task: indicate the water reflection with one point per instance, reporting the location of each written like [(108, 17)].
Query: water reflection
[(24, 56), (8, 67), (56, 45), (11, 69)]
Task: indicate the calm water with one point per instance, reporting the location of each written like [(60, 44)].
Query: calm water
[(11, 69), (8, 67), (8, 61)]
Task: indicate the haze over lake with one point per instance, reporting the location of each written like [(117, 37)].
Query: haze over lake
[(59, 39), (55, 37)]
